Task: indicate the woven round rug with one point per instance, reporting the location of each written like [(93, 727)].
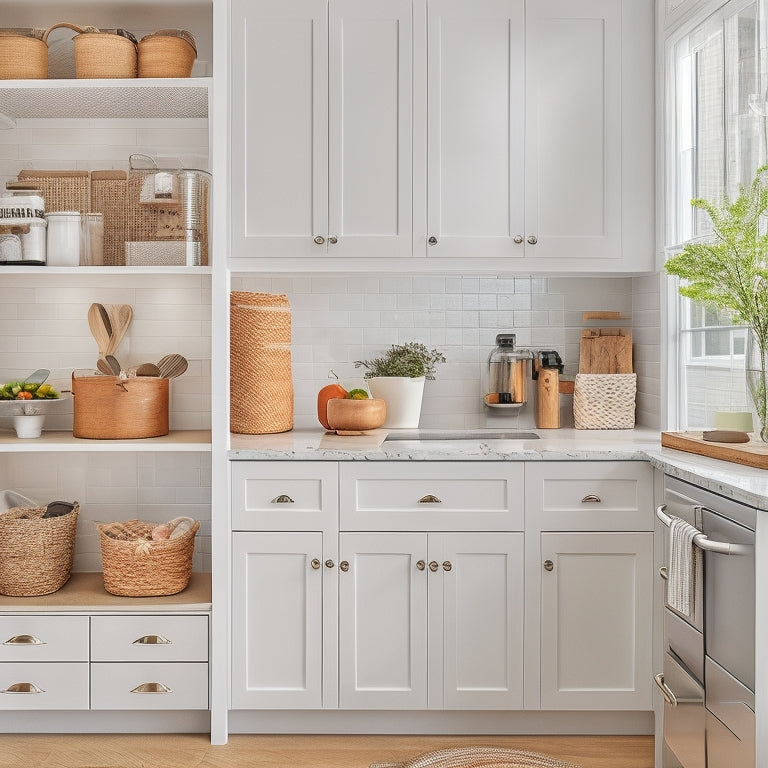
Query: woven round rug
[(478, 757)]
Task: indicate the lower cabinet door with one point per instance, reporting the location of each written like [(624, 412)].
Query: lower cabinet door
[(135, 685), (45, 685), (383, 620), (476, 624), (277, 620), (596, 607)]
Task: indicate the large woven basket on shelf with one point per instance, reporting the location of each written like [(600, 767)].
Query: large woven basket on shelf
[(23, 54), (479, 757), (604, 400), (167, 53), (134, 565), (36, 553), (261, 386)]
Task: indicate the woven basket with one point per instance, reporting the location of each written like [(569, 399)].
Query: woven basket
[(604, 400), (134, 565), (111, 408), (167, 53), (61, 190), (23, 54), (479, 757), (35, 553), (109, 191), (261, 387)]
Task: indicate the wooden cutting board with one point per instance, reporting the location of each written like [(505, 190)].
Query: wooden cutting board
[(751, 454), (605, 350)]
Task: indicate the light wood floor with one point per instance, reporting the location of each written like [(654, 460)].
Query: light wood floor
[(184, 750)]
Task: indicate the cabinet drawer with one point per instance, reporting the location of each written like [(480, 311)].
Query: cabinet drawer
[(284, 495), (439, 496), (43, 638), (590, 496), (165, 686), (50, 686), (149, 638)]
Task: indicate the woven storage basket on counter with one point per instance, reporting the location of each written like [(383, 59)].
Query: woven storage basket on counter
[(36, 553), (167, 53), (111, 408), (23, 54), (604, 400), (134, 565), (261, 386)]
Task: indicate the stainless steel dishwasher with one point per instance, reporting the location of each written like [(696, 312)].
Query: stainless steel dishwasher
[(708, 680)]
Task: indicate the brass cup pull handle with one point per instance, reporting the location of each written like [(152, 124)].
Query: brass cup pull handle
[(151, 688), (22, 688), (420, 565), (430, 499), (24, 640), (666, 691), (591, 498), (282, 499), (433, 566), (549, 565), (344, 566), (152, 640), (329, 563), (447, 565), (315, 563)]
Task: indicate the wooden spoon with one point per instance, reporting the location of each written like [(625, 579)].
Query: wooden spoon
[(121, 316), (147, 369), (113, 364), (172, 366), (98, 329)]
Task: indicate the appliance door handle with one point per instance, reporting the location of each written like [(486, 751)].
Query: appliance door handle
[(702, 541), (666, 691)]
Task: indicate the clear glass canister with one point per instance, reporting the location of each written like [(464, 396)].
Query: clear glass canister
[(508, 371)]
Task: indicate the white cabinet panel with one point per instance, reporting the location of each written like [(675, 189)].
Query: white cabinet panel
[(475, 98), (56, 685), (596, 616), (277, 625), (149, 686), (43, 638), (382, 621), (476, 640), (149, 638)]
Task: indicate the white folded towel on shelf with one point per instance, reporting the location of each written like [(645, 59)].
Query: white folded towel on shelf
[(683, 557)]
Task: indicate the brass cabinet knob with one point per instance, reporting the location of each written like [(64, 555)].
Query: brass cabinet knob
[(430, 499), (518, 239), (329, 563), (432, 240), (344, 566), (447, 566), (315, 563), (549, 565), (591, 498), (420, 565), (433, 566), (333, 240), (533, 239), (319, 239), (282, 499)]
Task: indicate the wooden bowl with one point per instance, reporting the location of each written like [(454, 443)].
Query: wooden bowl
[(348, 415)]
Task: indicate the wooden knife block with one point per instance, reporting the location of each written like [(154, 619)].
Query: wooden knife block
[(548, 399)]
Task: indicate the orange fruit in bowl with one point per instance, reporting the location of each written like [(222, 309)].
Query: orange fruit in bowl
[(324, 396)]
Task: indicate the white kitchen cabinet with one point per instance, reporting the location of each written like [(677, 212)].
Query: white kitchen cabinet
[(539, 146), (431, 620), (321, 128), (279, 581)]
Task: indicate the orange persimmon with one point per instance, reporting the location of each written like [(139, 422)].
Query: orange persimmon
[(329, 392)]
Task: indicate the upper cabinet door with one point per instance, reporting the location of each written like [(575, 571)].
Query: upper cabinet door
[(279, 106), (573, 129), (370, 128), (475, 122)]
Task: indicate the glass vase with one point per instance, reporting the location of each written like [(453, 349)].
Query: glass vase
[(757, 378)]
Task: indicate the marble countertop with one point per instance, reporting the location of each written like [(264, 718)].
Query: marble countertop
[(740, 483)]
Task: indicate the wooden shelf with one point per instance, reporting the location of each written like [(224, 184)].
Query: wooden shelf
[(41, 270), (85, 593), (180, 440)]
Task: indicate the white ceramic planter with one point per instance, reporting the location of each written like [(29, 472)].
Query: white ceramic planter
[(28, 425), (403, 396)]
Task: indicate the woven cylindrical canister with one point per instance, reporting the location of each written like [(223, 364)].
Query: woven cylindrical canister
[(261, 385)]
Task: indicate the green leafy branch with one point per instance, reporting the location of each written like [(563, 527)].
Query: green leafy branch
[(411, 359)]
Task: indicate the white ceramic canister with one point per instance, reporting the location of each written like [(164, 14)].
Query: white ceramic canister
[(33, 243), (63, 239), (24, 241)]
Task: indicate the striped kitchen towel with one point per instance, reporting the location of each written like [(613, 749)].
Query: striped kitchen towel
[(683, 556)]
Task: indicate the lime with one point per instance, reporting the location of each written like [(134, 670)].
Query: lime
[(358, 394)]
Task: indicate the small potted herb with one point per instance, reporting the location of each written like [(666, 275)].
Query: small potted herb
[(398, 377)]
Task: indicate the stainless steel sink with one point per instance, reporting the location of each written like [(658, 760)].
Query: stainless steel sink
[(422, 435)]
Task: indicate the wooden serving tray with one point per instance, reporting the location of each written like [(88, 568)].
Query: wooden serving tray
[(751, 454)]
